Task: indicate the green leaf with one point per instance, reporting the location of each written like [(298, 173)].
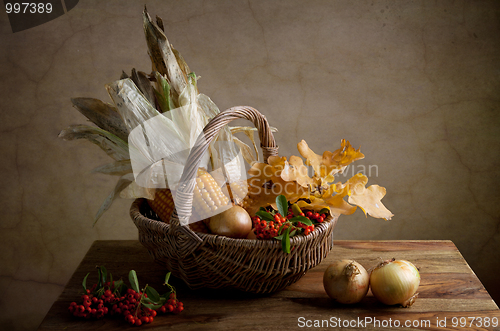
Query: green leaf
[(104, 274), (165, 296), (192, 78), (282, 204), (161, 300), (84, 283), (152, 305), (265, 215), (163, 95), (152, 294), (282, 226), (99, 282), (132, 277), (118, 285), (167, 277), (285, 241), (301, 219)]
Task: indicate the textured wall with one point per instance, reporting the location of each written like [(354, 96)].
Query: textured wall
[(414, 83)]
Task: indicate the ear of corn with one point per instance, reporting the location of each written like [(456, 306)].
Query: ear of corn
[(163, 204), (208, 196)]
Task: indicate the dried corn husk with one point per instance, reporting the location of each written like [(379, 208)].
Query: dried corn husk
[(109, 143), (103, 115)]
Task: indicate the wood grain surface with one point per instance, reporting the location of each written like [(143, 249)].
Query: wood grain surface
[(451, 296)]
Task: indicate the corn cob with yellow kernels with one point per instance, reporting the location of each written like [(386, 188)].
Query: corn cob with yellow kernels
[(163, 205), (208, 196)]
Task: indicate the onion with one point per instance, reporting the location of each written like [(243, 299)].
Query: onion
[(395, 282), (233, 222), (346, 281)]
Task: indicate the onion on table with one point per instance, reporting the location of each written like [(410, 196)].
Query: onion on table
[(346, 281), (395, 282)]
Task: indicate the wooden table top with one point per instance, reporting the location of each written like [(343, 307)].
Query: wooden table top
[(451, 296)]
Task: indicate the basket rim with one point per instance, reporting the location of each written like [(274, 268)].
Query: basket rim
[(135, 212)]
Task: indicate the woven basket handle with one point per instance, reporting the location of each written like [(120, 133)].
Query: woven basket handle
[(184, 194)]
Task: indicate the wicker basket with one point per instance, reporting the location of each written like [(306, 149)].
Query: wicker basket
[(206, 260)]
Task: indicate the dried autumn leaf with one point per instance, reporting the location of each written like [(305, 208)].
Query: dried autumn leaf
[(295, 170), (278, 164), (334, 198), (312, 159), (263, 193), (368, 199), (330, 163), (267, 172)]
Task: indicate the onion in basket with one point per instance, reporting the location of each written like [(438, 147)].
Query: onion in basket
[(234, 223)]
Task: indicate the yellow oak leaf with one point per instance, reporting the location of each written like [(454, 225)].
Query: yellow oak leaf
[(334, 198), (295, 170), (368, 199), (330, 163)]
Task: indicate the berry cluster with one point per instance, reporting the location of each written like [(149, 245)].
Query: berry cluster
[(130, 307), (266, 229), (172, 305), (93, 305), (115, 299), (315, 216)]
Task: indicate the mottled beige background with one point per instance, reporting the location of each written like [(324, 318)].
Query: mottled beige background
[(414, 83)]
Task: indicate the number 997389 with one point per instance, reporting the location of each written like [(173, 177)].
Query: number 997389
[(28, 7)]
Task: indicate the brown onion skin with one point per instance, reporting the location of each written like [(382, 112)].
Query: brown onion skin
[(233, 222), (346, 281)]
